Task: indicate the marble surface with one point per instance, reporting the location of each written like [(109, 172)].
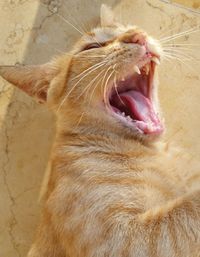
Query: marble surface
[(193, 4), (33, 31)]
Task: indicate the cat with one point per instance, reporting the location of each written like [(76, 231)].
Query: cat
[(114, 189)]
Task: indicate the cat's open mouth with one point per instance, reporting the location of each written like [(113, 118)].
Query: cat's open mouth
[(131, 100)]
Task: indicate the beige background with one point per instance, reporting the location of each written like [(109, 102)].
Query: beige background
[(32, 32)]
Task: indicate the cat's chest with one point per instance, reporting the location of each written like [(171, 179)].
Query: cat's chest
[(143, 178), (132, 179)]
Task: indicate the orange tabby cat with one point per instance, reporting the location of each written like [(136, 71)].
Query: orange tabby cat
[(112, 191)]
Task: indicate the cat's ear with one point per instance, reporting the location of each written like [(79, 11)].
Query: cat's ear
[(33, 80), (107, 16)]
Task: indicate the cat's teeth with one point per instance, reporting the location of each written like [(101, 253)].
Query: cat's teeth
[(156, 60), (147, 68), (123, 114), (136, 69), (128, 118)]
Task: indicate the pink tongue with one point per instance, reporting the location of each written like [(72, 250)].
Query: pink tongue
[(142, 110), (139, 105)]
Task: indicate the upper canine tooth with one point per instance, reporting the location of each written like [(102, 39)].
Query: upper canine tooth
[(156, 60), (136, 69)]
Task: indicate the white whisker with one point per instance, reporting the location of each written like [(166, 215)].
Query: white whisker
[(180, 44), (180, 33), (114, 66), (92, 93), (91, 67), (185, 33), (93, 56), (79, 121), (165, 32), (90, 84), (105, 78), (106, 84), (65, 98), (77, 23), (181, 51), (181, 60), (180, 54), (168, 58), (68, 22), (115, 85)]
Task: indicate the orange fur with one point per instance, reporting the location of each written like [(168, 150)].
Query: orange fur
[(111, 192)]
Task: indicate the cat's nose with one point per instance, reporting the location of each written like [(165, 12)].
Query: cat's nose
[(139, 38)]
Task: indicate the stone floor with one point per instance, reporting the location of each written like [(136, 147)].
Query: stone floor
[(33, 31)]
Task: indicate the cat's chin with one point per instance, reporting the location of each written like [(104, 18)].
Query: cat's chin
[(131, 100)]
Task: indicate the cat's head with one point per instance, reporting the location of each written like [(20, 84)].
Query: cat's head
[(107, 83)]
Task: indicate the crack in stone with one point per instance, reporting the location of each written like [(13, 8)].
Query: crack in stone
[(42, 22), (46, 17), (4, 90), (157, 7), (13, 222), (37, 28), (181, 6)]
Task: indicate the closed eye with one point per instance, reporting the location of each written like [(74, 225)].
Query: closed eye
[(91, 46)]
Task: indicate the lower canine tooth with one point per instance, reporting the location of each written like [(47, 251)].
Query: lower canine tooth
[(136, 69), (156, 60), (147, 69)]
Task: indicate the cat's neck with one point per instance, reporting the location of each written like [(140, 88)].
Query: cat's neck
[(88, 137), (100, 141), (77, 150), (87, 132)]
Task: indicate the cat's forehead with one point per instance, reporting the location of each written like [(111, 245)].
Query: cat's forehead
[(107, 33)]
